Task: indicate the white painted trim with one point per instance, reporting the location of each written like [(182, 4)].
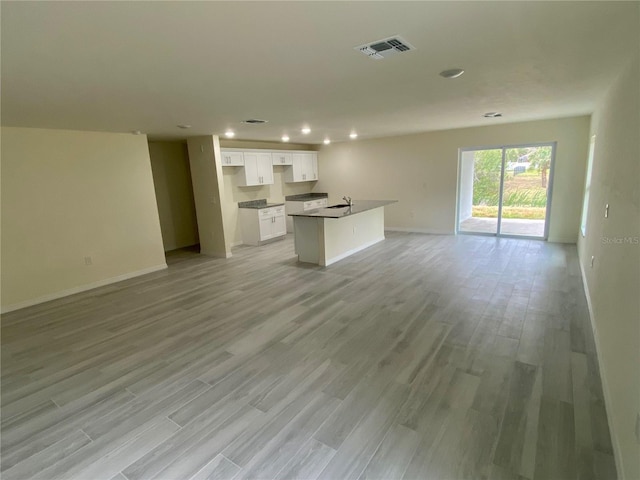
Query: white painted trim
[(82, 288), (605, 384), (351, 252), (418, 230)]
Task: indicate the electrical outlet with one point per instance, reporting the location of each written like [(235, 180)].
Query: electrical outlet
[(592, 260), (88, 261)]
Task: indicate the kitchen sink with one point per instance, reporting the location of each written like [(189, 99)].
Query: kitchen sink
[(341, 205)]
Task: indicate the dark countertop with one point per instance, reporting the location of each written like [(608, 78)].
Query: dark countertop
[(358, 206), (257, 204), (303, 197)]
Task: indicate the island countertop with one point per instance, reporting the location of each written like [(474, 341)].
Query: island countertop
[(358, 206)]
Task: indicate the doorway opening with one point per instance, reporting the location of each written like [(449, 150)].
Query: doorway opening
[(506, 190), (175, 199)]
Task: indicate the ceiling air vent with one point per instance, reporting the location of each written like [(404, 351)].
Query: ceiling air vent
[(385, 48)]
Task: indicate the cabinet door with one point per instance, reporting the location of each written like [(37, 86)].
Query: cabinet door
[(282, 158), (232, 159), (266, 227), (313, 172), (279, 226), (249, 174), (265, 169), (298, 167)]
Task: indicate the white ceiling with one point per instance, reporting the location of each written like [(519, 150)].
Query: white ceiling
[(123, 66)]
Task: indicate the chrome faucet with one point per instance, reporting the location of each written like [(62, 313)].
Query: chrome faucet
[(347, 200)]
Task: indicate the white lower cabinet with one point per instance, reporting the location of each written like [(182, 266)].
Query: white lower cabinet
[(297, 206), (259, 225)]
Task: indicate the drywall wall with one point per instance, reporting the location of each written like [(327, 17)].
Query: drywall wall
[(68, 196), (273, 193), (421, 172), (613, 283), (208, 194), (174, 194)]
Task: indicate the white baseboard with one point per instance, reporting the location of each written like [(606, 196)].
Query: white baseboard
[(418, 230), (603, 377), (352, 251), (81, 288)]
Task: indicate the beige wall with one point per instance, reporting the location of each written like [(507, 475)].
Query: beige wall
[(613, 284), (174, 194), (67, 195), (208, 192), (421, 171), (273, 193)]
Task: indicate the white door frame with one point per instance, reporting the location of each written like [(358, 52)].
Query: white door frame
[(498, 233)]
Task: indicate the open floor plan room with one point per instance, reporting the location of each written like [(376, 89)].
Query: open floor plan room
[(420, 357)]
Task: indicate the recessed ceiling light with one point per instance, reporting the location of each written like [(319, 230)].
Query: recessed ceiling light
[(452, 73), (353, 135), (326, 141), (255, 121), (229, 134), (492, 115), (285, 138), (184, 126), (306, 130)]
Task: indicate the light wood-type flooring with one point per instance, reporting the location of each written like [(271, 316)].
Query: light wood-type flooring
[(422, 357)]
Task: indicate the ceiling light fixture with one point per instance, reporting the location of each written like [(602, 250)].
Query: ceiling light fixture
[(452, 73), (305, 130), (136, 132), (353, 135), (184, 126), (326, 141), (285, 138), (255, 121), (229, 134), (492, 115)]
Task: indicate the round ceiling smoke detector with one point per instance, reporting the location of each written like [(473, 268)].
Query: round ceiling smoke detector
[(452, 73), (492, 115), (184, 126), (255, 121)]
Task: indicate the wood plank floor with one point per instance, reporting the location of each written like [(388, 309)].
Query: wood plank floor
[(422, 357)]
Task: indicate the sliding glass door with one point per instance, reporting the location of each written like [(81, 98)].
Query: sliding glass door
[(505, 191)]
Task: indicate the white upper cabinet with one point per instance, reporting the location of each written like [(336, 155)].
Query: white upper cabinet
[(258, 170), (258, 165), (232, 159), (304, 168), (282, 158)]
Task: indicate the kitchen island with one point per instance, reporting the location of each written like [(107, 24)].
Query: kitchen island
[(326, 235)]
